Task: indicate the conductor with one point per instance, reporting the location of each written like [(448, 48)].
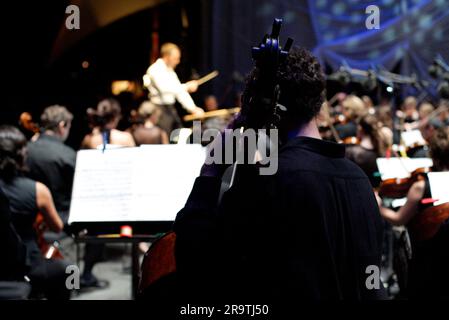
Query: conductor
[(165, 88)]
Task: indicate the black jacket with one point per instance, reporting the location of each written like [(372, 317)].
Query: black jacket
[(51, 162), (308, 232)]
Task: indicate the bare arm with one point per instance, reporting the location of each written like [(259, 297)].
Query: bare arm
[(86, 142), (129, 139), (164, 137), (45, 203), (405, 213)]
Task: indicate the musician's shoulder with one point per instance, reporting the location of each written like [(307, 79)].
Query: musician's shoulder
[(122, 137), (417, 189)]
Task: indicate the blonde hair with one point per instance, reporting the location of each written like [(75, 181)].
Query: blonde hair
[(146, 109), (355, 107), (167, 48), (410, 101), (425, 109)]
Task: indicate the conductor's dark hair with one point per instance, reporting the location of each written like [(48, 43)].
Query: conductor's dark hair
[(302, 84), (12, 152)]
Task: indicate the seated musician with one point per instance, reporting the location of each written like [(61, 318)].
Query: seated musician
[(13, 267), (26, 199), (428, 270), (52, 162), (220, 122), (425, 110), (410, 112), (307, 232), (383, 114), (353, 108), (104, 121), (369, 104), (146, 131), (444, 114), (371, 147)]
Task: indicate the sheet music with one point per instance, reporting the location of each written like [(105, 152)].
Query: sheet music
[(439, 189), (412, 138), (150, 183), (401, 167)]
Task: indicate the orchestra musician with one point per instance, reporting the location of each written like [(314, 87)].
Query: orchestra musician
[(430, 258), (444, 114), (312, 228), (410, 110), (219, 122), (165, 88), (352, 108), (384, 115), (145, 130), (14, 265), (27, 198), (52, 162), (371, 146), (104, 121)]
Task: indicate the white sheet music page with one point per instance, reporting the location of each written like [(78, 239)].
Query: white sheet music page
[(412, 138), (166, 177), (102, 187), (391, 168), (150, 183), (439, 186)]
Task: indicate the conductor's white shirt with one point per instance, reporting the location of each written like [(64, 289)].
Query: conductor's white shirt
[(165, 87)]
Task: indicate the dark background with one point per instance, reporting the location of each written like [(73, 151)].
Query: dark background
[(219, 35)]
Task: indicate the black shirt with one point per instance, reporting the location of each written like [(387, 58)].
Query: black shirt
[(13, 266), (51, 162), (310, 230), (366, 159)]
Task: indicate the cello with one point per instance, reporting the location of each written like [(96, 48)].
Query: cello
[(159, 264), (48, 250)]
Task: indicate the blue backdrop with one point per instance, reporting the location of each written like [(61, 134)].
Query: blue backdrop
[(411, 34)]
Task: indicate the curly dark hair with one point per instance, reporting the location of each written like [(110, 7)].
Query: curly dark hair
[(302, 84), (12, 152)]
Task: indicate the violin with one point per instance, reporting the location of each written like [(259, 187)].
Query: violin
[(49, 251), (426, 224), (340, 119), (26, 122), (351, 140), (398, 187)]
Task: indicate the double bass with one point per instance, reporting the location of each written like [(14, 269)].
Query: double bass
[(159, 264)]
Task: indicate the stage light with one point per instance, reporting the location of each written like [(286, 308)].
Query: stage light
[(389, 89)]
